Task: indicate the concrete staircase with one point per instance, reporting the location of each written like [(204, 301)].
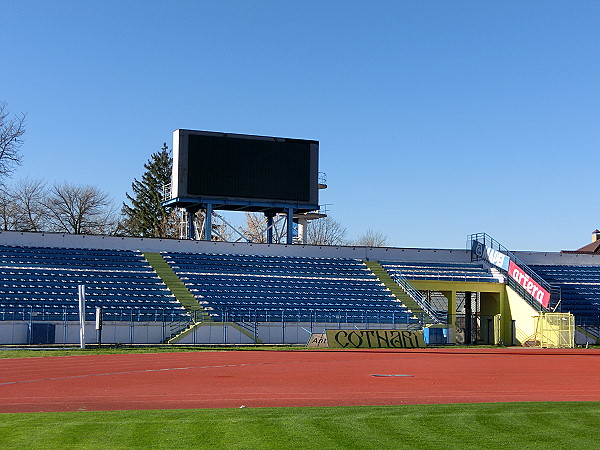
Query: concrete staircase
[(397, 291), (181, 293)]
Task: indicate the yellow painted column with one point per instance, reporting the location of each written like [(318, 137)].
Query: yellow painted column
[(451, 296), (505, 319)]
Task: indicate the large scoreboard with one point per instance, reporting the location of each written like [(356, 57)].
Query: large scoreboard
[(245, 169)]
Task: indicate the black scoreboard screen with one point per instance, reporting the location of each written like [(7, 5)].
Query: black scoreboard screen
[(233, 166)]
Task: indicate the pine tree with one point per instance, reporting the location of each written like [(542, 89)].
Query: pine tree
[(145, 217)]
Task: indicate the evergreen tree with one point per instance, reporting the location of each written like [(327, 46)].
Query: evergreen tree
[(144, 216)]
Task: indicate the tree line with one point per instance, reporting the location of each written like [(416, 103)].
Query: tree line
[(36, 205), (32, 205)]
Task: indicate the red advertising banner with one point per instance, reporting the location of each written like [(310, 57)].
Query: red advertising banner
[(536, 291)]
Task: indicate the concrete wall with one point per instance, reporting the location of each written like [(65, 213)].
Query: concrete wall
[(364, 253), (15, 332), (175, 245), (519, 310), (557, 258)]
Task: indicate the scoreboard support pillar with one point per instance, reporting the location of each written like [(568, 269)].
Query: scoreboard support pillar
[(191, 216), (290, 226), (191, 219), (208, 222), (269, 227), (302, 230)]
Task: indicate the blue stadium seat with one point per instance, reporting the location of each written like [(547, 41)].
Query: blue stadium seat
[(46, 279), (439, 271), (576, 289), (287, 288)]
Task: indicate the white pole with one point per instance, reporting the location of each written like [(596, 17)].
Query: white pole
[(81, 290), (99, 325), (302, 230)]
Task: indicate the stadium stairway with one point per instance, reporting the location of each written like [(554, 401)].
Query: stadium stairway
[(181, 293), (173, 283), (185, 297), (397, 291)]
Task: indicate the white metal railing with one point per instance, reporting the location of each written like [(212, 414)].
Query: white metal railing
[(323, 178), (166, 194), (417, 296), (489, 241)]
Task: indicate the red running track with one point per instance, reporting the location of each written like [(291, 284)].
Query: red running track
[(297, 378)]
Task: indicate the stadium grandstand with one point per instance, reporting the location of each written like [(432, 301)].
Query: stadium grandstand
[(188, 291), (198, 290)]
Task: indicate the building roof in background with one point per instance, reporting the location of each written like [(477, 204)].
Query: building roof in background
[(591, 248)]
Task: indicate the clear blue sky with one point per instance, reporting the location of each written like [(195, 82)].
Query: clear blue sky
[(436, 119)]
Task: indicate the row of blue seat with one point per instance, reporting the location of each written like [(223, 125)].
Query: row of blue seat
[(265, 263), (73, 293), (314, 305), (89, 295), (235, 290), (66, 258), (48, 271), (44, 277), (576, 288), (278, 281), (259, 258), (110, 289), (245, 282), (73, 264), (270, 271), (129, 258), (76, 274), (273, 277), (476, 267), (273, 300), (439, 271), (251, 314), (66, 253)]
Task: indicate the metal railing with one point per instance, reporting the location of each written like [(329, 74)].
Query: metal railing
[(297, 315), (227, 326), (418, 297), (322, 179), (490, 242)]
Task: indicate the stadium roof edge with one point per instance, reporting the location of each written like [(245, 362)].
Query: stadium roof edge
[(18, 238)]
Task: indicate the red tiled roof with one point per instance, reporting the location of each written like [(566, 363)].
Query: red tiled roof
[(593, 247)]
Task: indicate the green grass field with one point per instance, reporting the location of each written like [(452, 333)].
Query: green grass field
[(490, 425)]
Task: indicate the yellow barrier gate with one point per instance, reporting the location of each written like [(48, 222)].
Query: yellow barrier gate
[(555, 330)]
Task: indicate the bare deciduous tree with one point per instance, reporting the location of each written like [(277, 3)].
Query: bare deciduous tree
[(8, 211), (11, 138), (80, 210), (29, 203), (372, 238), (255, 228), (325, 231)]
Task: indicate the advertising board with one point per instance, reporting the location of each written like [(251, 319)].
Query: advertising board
[(375, 339), (530, 285), (503, 261)]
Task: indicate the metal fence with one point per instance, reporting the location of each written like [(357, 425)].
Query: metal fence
[(39, 325)]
